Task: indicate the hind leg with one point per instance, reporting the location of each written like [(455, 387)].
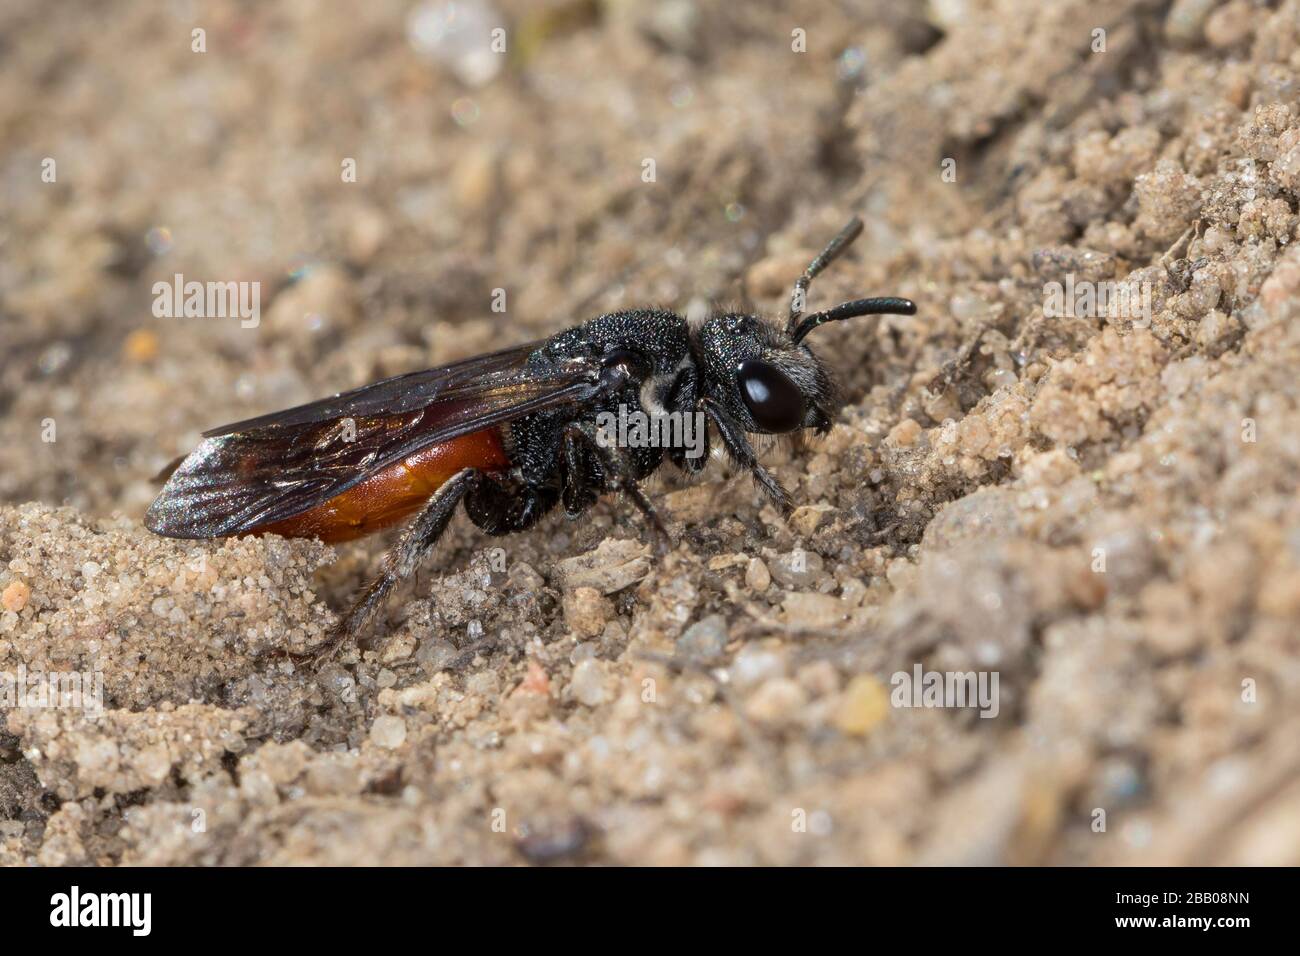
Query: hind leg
[(418, 538)]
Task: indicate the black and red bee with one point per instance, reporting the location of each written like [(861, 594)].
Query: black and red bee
[(510, 434)]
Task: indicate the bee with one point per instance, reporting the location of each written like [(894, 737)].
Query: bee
[(511, 434)]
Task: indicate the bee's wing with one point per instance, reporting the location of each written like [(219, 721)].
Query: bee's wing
[(391, 396), (266, 469)]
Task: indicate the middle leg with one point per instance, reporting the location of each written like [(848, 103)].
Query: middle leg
[(614, 473)]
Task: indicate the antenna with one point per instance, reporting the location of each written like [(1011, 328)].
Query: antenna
[(883, 305)]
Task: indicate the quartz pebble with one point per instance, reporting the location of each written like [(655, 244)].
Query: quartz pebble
[(388, 731)]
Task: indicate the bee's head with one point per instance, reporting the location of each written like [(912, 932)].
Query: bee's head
[(766, 378), (762, 378)]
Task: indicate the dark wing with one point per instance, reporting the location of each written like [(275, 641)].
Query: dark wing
[(266, 469), (389, 396)]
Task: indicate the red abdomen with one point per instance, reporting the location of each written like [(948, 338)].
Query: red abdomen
[(395, 493)]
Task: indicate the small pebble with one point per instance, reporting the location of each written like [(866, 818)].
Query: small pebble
[(808, 518), (388, 731), (705, 640), (905, 433), (436, 653), (778, 701), (588, 683), (15, 596), (864, 704), (755, 664), (141, 346), (757, 577), (474, 178), (810, 609), (798, 569), (366, 233), (1230, 24), (1186, 19), (585, 611), (612, 566), (536, 681)]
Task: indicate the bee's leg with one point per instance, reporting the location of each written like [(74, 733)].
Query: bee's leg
[(417, 538), (693, 464), (504, 507), (684, 400), (581, 483), (799, 297), (615, 474), (738, 446)]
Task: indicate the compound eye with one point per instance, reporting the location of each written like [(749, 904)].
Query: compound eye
[(774, 401)]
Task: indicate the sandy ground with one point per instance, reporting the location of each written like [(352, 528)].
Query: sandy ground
[(1100, 509)]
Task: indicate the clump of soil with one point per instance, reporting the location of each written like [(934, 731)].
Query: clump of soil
[(1095, 504)]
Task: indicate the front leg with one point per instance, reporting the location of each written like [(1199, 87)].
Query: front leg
[(738, 446), (417, 539)]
